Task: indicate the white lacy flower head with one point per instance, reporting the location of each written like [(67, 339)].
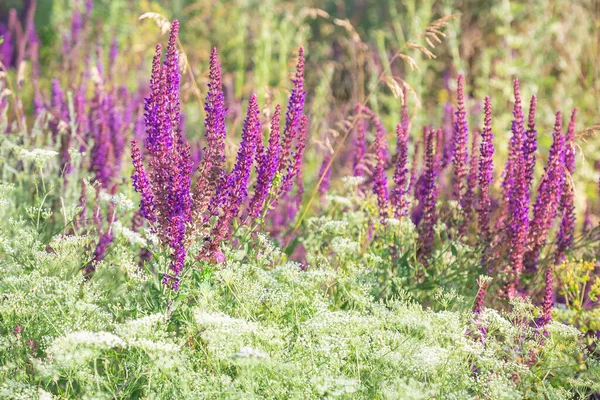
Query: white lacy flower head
[(344, 246), (140, 327), (131, 236), (249, 352), (38, 156), (336, 386), (341, 200), (352, 182), (77, 348)]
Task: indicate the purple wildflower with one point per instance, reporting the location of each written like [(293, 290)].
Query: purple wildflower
[(293, 116), (429, 199), (548, 198), (461, 140), (267, 168), (400, 192), (360, 144), (448, 130), (567, 207), (99, 252), (486, 174), (379, 176), (325, 175), (237, 182), (212, 170), (530, 145), (518, 198), (484, 284)]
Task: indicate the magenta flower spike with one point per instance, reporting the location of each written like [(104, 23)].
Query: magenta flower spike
[(567, 206), (548, 197), (486, 174), (518, 198), (461, 141), (236, 189), (293, 116), (530, 143), (212, 167), (429, 198), (400, 193), (360, 143), (267, 168), (165, 189)]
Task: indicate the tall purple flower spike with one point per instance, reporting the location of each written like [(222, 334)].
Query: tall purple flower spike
[(548, 197), (400, 192), (212, 168), (429, 199), (267, 169), (236, 189), (518, 198), (567, 207), (165, 189), (461, 141), (469, 198), (486, 175)]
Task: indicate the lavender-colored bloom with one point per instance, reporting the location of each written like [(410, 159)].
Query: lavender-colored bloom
[(379, 176), (567, 207), (293, 116), (165, 189), (212, 170), (400, 192), (518, 198), (267, 168), (429, 199), (530, 143), (237, 181), (486, 174), (76, 27), (461, 140), (548, 198), (295, 169)]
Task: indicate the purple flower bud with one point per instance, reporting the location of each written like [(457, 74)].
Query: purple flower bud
[(360, 144), (469, 198), (548, 302)]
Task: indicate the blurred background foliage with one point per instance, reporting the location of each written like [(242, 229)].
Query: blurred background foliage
[(552, 46)]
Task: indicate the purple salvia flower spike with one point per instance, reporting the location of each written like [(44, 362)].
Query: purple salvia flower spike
[(530, 143), (400, 193), (266, 169), (548, 197), (461, 140), (567, 206), (429, 199), (212, 170), (518, 198), (360, 143), (486, 174), (548, 302), (236, 190), (293, 115)]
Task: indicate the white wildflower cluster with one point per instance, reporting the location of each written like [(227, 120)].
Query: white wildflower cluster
[(132, 237), (332, 387), (37, 156), (352, 182), (78, 348), (339, 201), (344, 246)]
